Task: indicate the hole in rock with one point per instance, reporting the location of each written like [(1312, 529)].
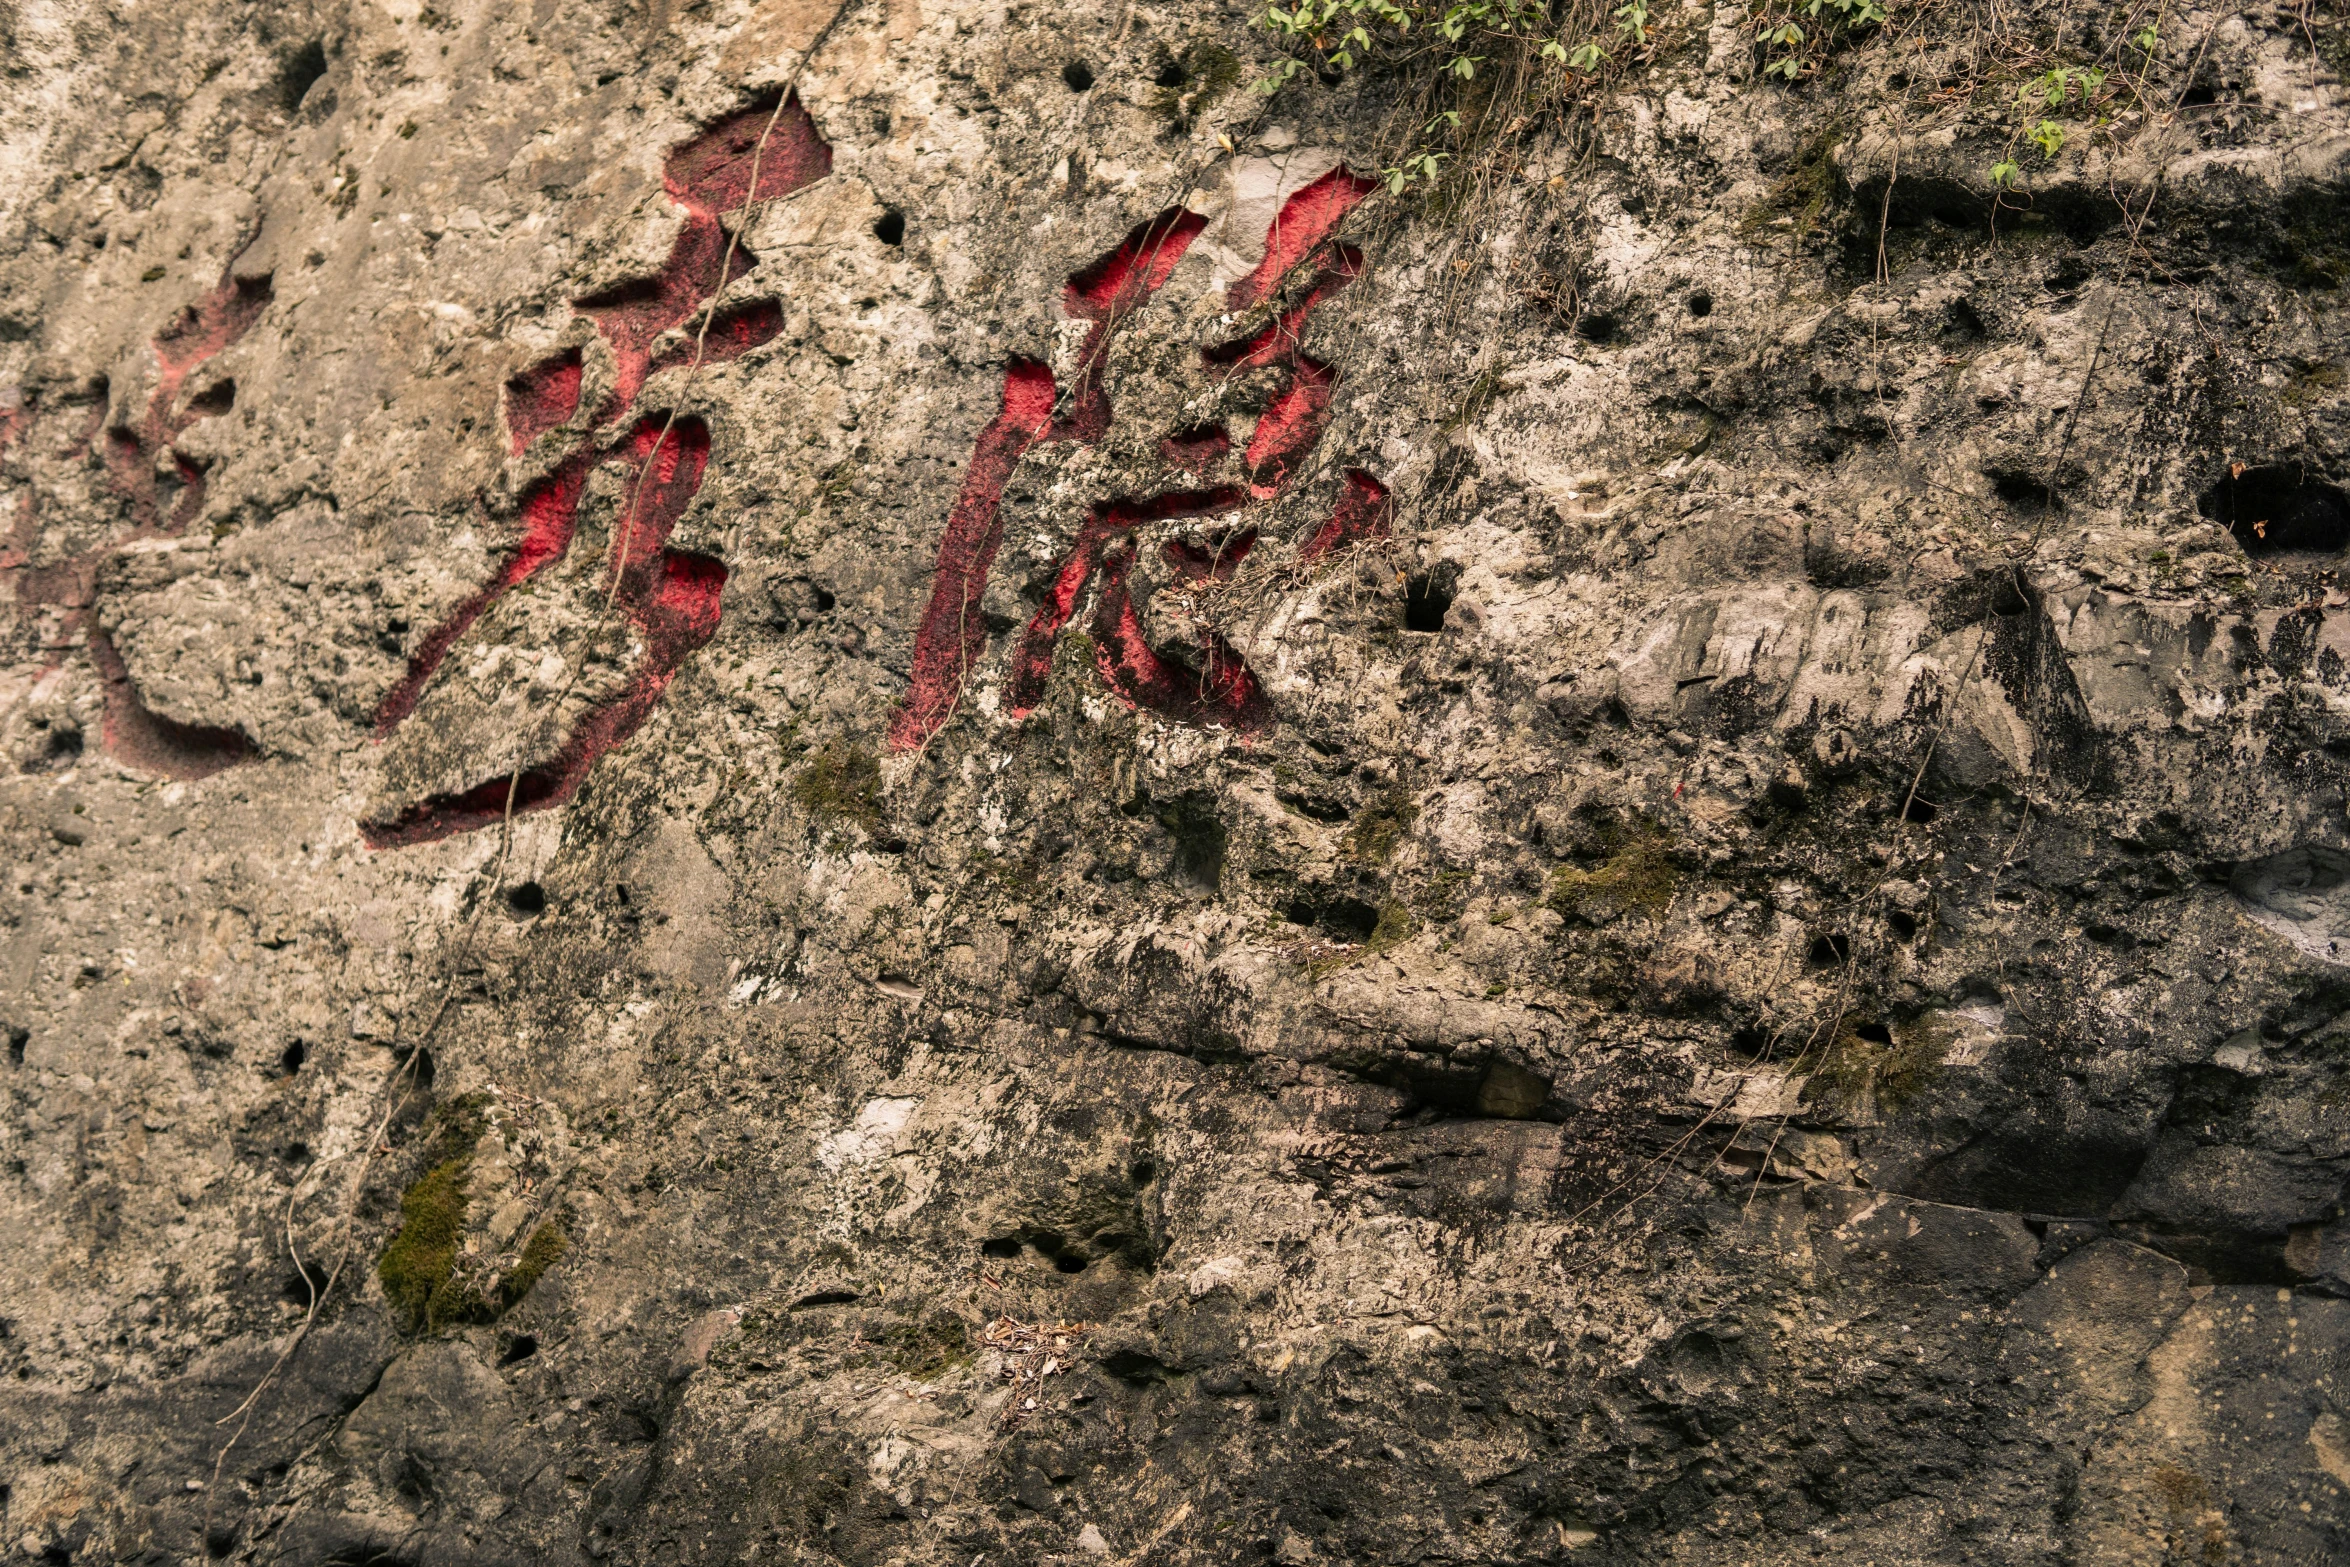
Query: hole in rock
[(421, 1074), (299, 74), (214, 400), (60, 749), (1078, 75), (890, 227), (2066, 280), (1350, 919), (1171, 76), (1701, 304), (2278, 509), (294, 1056), (1874, 1033), (1428, 597), (1069, 1262), (2021, 490), (304, 1285), (1962, 320), (524, 1346), (296, 1152), (1598, 326), (1003, 1246), (826, 1298), (527, 898), (1904, 923), (1917, 808), (2199, 94), (1828, 948), (18, 1038)]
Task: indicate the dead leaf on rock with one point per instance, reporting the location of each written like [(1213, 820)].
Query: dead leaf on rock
[(1031, 1352)]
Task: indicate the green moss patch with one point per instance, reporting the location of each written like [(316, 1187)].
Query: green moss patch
[(841, 783), (1378, 829), (1638, 878), (416, 1268), (1874, 1064), (543, 1250), (925, 1348)]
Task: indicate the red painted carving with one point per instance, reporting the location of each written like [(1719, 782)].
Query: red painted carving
[(130, 731), (202, 330), (1364, 512), (1211, 685), (670, 596), (708, 177), (1214, 558), (542, 398)]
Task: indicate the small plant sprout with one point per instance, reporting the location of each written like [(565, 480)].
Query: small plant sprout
[(2004, 174), (2047, 135), (2147, 40), (1423, 167)]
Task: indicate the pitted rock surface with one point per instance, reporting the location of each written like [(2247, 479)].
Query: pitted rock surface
[(901, 786)]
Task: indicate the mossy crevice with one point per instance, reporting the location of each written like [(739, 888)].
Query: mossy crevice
[(1638, 878), (1877, 1066)]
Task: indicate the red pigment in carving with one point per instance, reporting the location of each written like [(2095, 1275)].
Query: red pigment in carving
[(952, 634), (1221, 690), (634, 315), (1197, 450), (1305, 220), (1107, 291), (733, 333), (1288, 428), (550, 513), (659, 494), (1214, 558), (1032, 661), (200, 332), (1363, 512), (711, 172), (131, 731), (136, 734), (672, 598), (677, 621), (1282, 335), (542, 398), (708, 176)]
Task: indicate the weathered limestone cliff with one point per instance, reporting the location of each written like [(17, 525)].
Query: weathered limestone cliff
[(910, 785)]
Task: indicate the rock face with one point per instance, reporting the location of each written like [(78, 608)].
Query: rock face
[(902, 786)]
